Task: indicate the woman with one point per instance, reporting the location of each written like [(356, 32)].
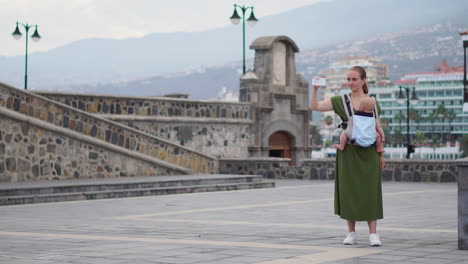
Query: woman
[(358, 189)]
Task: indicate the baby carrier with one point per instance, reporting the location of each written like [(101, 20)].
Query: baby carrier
[(360, 127)]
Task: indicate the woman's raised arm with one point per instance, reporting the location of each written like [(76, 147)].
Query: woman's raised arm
[(315, 105)]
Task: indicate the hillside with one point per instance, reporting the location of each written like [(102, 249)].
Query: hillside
[(409, 51), (94, 61)]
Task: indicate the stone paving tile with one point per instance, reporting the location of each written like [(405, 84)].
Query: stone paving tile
[(259, 224)]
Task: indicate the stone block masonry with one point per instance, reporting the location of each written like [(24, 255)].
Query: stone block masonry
[(30, 153), (324, 169), (151, 106), (219, 139), (219, 129), (63, 116)]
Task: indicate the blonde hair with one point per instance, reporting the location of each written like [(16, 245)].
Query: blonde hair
[(362, 73)]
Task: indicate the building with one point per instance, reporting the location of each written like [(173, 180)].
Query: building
[(442, 87), (377, 74)]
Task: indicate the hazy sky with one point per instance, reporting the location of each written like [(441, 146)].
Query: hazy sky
[(63, 21)]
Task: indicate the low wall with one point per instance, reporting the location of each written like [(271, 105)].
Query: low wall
[(324, 169), (32, 151), (151, 106), (61, 115), (216, 128), (216, 137)]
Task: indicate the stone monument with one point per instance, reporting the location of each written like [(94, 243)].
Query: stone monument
[(279, 99)]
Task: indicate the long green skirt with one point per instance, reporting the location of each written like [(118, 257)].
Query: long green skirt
[(358, 186)]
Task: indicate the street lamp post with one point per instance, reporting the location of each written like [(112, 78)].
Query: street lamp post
[(235, 19), (464, 36), (413, 100), (35, 36)]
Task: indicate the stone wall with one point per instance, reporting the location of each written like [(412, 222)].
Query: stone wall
[(324, 169), (151, 106), (60, 115), (220, 129), (222, 139), (30, 153)]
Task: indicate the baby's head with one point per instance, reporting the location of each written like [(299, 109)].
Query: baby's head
[(367, 104)]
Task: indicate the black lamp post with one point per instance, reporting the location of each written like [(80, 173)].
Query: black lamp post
[(413, 100), (235, 19), (35, 36), (464, 36)]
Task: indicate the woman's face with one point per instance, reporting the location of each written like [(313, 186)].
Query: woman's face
[(355, 82)]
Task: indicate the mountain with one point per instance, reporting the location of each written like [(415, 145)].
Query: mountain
[(416, 50), (98, 61)]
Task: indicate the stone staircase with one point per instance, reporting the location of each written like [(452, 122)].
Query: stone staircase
[(75, 190), (38, 115)]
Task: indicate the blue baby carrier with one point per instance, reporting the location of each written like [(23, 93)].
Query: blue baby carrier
[(360, 127)]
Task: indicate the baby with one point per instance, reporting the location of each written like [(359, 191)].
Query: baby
[(367, 106)]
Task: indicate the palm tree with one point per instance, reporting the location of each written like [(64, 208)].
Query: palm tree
[(384, 124), (415, 116), (450, 115), (316, 138), (329, 121), (432, 118), (399, 117), (420, 140), (435, 141), (398, 136), (441, 112)]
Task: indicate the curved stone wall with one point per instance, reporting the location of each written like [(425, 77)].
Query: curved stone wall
[(151, 106), (30, 153), (111, 132)]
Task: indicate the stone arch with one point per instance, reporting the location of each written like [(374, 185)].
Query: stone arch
[(280, 143), (282, 125)]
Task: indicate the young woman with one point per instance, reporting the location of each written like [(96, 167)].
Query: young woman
[(358, 188)]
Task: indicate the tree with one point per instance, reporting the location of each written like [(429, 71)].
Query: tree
[(419, 140), (329, 121), (316, 138), (398, 137), (432, 118), (415, 116), (435, 141), (450, 115), (384, 124), (399, 118), (441, 112)]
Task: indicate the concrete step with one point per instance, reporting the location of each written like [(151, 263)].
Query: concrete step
[(112, 188)]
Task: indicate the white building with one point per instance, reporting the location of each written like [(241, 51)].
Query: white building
[(336, 75)]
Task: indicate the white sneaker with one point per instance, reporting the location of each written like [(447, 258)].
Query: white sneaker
[(350, 239), (374, 240)]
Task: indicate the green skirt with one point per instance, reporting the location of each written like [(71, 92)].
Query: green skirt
[(358, 185)]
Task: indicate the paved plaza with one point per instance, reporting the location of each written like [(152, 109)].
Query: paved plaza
[(290, 224)]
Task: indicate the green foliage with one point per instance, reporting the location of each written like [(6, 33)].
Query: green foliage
[(420, 138), (398, 137), (316, 138), (328, 120), (435, 141)]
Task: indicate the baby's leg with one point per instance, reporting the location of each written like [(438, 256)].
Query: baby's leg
[(343, 141), (379, 143)]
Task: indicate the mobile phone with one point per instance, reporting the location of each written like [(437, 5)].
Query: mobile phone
[(319, 81)]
